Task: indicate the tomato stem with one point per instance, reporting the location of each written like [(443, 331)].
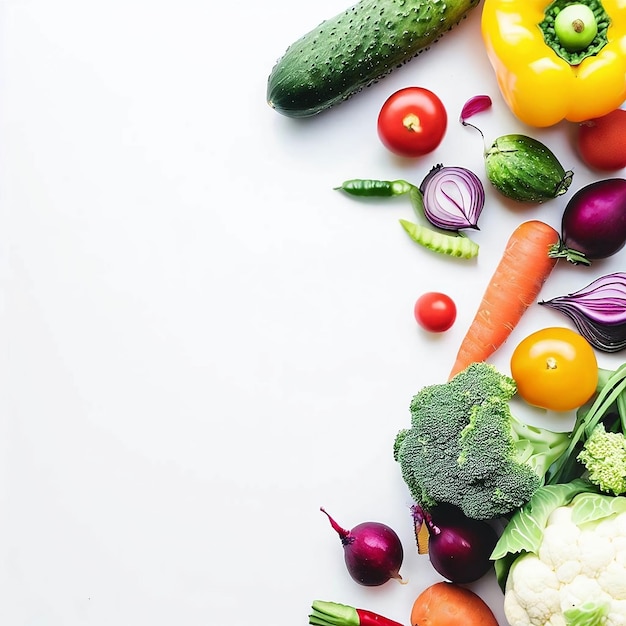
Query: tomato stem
[(412, 122)]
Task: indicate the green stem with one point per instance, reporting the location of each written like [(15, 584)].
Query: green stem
[(611, 393), (333, 614), (561, 251)]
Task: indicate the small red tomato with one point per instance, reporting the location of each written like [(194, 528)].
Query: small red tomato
[(435, 312), (601, 141), (412, 122)]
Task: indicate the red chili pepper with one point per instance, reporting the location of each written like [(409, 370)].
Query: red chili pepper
[(334, 614), (367, 618)]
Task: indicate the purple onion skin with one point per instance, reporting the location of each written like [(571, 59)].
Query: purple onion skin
[(598, 311), (373, 552), (459, 547), (594, 220)]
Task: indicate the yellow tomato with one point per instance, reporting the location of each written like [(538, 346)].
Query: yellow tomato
[(555, 368)]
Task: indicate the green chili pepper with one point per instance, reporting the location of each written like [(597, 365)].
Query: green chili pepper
[(378, 188), (453, 245)]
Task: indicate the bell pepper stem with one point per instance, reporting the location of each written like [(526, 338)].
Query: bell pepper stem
[(575, 30), (575, 27)]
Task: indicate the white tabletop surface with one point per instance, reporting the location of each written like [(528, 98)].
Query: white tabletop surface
[(202, 341)]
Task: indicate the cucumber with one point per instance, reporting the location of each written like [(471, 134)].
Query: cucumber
[(524, 169), (355, 49)]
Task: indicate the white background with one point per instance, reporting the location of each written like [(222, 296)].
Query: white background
[(202, 341)]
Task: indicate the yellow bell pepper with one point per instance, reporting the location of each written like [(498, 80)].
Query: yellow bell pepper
[(538, 84)]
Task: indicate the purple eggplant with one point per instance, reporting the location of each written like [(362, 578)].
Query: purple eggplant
[(593, 225)]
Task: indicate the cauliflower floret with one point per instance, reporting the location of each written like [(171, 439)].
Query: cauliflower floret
[(614, 528), (581, 590), (515, 613), (613, 580), (594, 552), (561, 516), (559, 546), (619, 525), (535, 590), (617, 614), (619, 546), (568, 571)]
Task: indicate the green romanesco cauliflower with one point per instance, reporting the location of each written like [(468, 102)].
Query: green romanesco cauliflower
[(604, 457), (465, 448)]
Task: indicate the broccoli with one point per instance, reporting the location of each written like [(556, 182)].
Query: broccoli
[(604, 458), (465, 448)]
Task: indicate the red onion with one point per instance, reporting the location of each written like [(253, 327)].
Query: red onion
[(373, 552), (593, 225), (459, 547), (598, 311), (453, 197), (474, 105)]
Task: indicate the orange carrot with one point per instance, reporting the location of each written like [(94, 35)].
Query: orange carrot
[(514, 286)]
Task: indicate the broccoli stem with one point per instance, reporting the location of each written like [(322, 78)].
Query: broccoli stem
[(536, 446)]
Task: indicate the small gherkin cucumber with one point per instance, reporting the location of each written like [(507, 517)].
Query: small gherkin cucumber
[(524, 169), (355, 49)]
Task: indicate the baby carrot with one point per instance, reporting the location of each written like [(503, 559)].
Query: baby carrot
[(514, 286)]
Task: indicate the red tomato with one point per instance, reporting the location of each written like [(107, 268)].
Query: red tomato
[(435, 312), (412, 122), (601, 142)]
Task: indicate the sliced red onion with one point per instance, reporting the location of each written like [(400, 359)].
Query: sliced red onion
[(453, 197), (598, 311)]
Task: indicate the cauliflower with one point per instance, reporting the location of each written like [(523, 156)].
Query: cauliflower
[(560, 560)]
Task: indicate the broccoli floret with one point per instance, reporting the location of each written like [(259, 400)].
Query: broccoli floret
[(465, 448), (604, 458)]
